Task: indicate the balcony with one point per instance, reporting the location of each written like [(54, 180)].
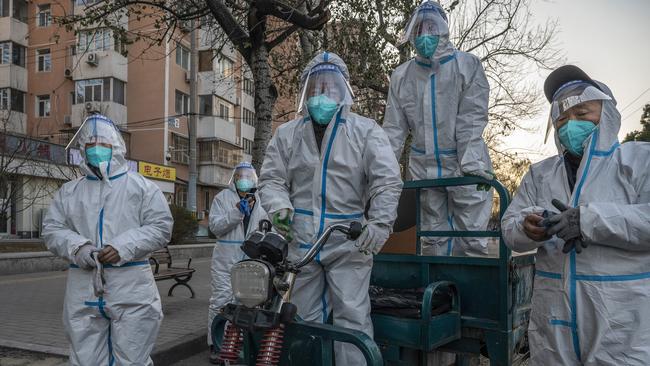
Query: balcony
[(100, 64), (115, 111), (13, 76), (215, 127), (13, 122), (215, 175), (211, 82), (13, 30), (216, 160)]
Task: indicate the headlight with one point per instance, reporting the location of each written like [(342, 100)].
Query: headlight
[(250, 282)]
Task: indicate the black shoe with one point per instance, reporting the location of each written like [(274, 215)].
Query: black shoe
[(214, 356)]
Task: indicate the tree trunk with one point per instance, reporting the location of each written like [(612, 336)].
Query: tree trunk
[(265, 97)]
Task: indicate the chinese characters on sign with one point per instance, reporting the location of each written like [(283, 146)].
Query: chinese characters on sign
[(157, 171)]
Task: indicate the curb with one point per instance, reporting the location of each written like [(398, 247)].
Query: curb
[(33, 347), (171, 352)]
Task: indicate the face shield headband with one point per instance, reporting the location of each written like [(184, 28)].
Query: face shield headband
[(570, 95)]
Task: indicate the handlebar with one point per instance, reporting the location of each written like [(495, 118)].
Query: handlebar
[(351, 231)]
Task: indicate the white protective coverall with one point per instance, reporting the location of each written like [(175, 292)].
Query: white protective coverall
[(227, 223), (591, 308), (130, 213), (354, 166), (443, 102)]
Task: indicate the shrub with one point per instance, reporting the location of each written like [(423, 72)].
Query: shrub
[(185, 225)]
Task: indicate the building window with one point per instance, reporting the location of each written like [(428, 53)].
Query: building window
[(99, 90), (118, 91), (89, 90), (99, 39), (205, 105), (224, 111), (205, 60), (12, 53), (4, 8), (44, 59), (4, 99), (207, 201), (182, 56), (12, 99), (249, 117), (20, 10), (18, 55), (248, 146), (17, 101), (249, 87), (5, 48), (180, 149), (181, 197), (225, 67), (182, 103), (43, 103), (44, 15)]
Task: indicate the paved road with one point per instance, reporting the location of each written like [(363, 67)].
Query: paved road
[(200, 359), (31, 307)]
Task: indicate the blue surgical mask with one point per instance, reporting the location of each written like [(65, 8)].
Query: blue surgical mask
[(426, 45), (322, 108), (244, 185), (574, 133), (98, 154)]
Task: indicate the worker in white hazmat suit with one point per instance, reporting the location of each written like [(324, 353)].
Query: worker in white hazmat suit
[(440, 97), (324, 168), (591, 299), (234, 214), (118, 218)]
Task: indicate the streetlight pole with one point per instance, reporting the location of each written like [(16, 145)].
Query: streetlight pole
[(192, 125)]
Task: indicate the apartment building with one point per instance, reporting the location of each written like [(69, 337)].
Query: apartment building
[(51, 79)]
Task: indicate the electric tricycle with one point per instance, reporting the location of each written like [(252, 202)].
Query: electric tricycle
[(420, 304)]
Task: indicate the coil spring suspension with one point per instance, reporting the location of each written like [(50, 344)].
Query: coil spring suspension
[(231, 345), (271, 347)]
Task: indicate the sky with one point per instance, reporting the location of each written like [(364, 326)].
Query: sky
[(610, 41)]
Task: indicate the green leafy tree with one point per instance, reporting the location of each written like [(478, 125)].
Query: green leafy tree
[(644, 133)]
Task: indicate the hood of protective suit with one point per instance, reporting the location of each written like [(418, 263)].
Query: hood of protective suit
[(322, 58), (445, 47), (326, 58), (607, 129), (100, 128)]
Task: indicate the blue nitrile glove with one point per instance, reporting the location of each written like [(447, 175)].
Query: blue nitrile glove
[(245, 207)]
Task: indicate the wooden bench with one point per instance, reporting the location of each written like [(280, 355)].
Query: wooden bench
[(181, 275)]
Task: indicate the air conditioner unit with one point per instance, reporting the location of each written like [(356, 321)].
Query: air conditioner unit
[(67, 73), (200, 215), (67, 120), (188, 76), (92, 59), (89, 106)]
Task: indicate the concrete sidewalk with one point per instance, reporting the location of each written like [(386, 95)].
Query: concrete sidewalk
[(31, 307)]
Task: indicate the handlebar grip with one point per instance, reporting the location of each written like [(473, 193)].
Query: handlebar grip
[(355, 230)]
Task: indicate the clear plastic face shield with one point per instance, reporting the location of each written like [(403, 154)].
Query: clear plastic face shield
[(96, 130), (244, 177), (325, 79), (570, 95), (429, 19)]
